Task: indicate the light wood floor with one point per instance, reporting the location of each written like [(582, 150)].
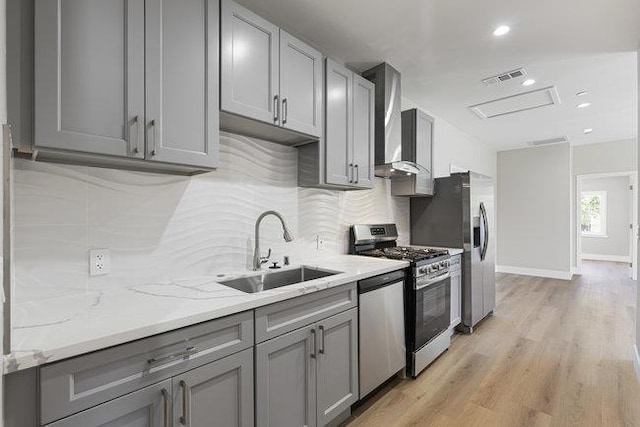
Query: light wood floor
[(555, 353)]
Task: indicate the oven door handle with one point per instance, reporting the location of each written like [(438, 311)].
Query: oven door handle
[(432, 281)]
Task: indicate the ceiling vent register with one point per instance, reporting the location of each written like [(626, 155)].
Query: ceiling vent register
[(525, 101), (549, 141), (505, 77)]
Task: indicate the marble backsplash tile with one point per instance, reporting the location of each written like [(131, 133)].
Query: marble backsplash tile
[(164, 227)]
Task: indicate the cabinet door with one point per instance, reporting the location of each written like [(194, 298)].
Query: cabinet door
[(89, 76), (338, 122), (424, 152), (456, 298), (337, 365), (149, 407), (249, 64), (300, 85), (286, 380), (182, 82), (220, 391), (363, 131)]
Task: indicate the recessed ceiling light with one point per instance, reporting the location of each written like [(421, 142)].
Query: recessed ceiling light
[(582, 93), (392, 170), (584, 105), (501, 30), (588, 130), (528, 82), (409, 174)]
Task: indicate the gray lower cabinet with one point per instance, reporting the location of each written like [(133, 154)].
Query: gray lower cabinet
[(345, 158), (456, 290), (220, 391), (131, 85), (271, 82), (309, 376), (337, 362), (149, 407)]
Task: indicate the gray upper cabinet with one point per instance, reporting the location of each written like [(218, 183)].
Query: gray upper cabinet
[(89, 76), (220, 391), (337, 365), (148, 407), (300, 86), (349, 124), (363, 131), (182, 82), (339, 136), (119, 82), (271, 83), (249, 64), (417, 146), (286, 379)]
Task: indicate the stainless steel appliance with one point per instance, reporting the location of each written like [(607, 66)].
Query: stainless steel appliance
[(381, 338), (460, 215), (391, 159), (427, 291)]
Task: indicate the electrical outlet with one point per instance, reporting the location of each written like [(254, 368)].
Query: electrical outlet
[(99, 262)]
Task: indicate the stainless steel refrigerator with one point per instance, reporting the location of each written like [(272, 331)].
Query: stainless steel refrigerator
[(460, 215)]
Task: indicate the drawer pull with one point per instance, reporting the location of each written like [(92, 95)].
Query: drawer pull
[(180, 355), (321, 351)]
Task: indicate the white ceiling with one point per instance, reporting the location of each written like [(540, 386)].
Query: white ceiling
[(444, 48)]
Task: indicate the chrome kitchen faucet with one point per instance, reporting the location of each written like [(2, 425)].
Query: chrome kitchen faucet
[(258, 259)]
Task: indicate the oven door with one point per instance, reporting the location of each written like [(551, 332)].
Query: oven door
[(432, 308)]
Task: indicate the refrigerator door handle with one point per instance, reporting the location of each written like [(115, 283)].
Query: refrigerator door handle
[(485, 223)]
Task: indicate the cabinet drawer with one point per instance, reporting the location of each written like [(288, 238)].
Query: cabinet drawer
[(76, 384), (280, 318), (150, 406)]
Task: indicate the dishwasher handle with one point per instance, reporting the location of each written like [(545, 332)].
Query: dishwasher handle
[(377, 282)]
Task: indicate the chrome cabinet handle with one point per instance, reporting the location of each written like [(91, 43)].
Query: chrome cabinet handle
[(285, 111), (180, 355), (276, 109), (152, 124), (136, 121), (350, 173), (184, 419), (357, 173), (165, 401), (321, 351), (313, 352)]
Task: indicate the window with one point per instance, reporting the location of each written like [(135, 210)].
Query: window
[(594, 213)]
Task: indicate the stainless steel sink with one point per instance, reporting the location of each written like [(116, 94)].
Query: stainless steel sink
[(276, 279)]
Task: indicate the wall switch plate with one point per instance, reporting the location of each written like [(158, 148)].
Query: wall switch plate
[(99, 262)]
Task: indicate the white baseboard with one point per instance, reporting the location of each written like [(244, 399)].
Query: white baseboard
[(551, 274), (612, 258), (637, 362)]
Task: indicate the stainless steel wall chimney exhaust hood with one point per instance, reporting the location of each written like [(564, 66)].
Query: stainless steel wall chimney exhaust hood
[(389, 158)]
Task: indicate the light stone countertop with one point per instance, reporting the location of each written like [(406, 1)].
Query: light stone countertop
[(50, 330)]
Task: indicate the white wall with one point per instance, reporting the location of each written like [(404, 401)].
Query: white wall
[(454, 147), (616, 244), (533, 211), (162, 227), (604, 157)]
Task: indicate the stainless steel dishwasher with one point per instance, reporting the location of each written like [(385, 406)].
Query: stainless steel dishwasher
[(382, 351)]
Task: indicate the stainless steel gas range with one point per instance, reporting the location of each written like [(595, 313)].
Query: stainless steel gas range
[(427, 291)]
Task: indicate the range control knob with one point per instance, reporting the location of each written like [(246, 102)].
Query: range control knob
[(436, 267)]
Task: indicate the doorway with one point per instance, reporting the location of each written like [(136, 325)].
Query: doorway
[(606, 210)]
